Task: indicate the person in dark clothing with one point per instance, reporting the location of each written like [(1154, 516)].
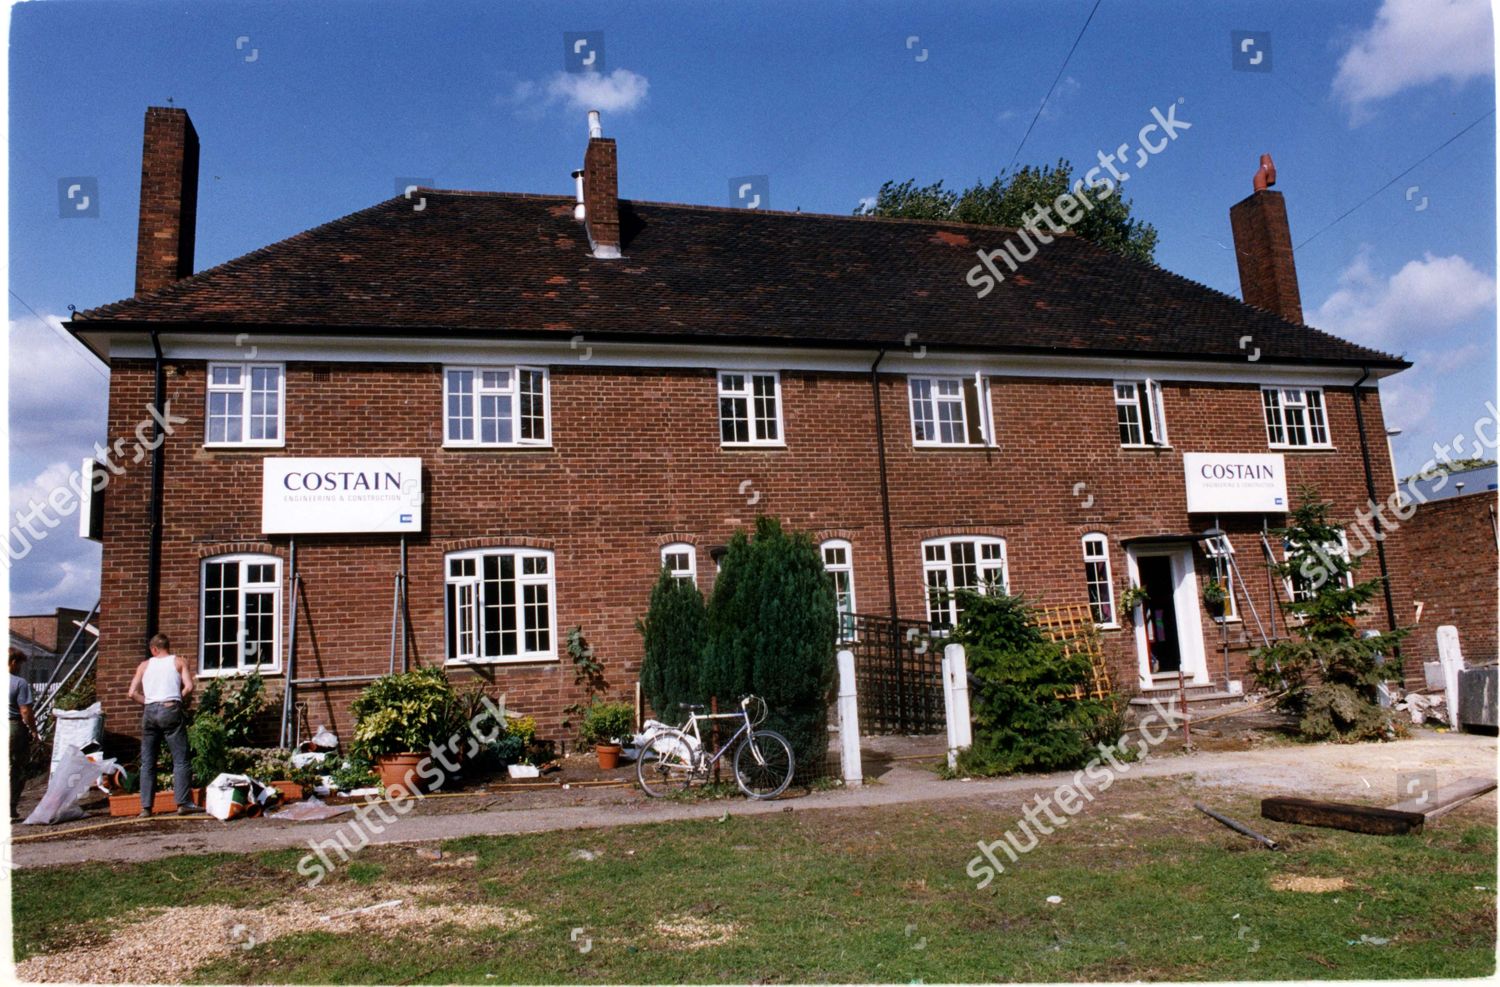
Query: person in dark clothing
[(22, 731)]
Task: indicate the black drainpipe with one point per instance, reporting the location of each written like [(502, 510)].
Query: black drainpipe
[(1364, 449), (158, 466), (885, 487)]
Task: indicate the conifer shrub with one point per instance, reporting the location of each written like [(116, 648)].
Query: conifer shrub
[(1020, 693), (772, 630), (674, 633), (1328, 675)]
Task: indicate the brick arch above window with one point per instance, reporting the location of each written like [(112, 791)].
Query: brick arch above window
[(958, 530), (821, 535), (211, 549), (447, 545), (676, 537)]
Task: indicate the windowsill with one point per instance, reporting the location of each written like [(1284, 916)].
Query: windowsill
[(244, 446), (266, 671), (750, 446), (496, 447), (956, 446), (1143, 447), (489, 662), (1108, 627), (1286, 448), (1228, 620)]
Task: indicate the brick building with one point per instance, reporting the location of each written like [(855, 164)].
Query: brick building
[(595, 387), (1450, 550)]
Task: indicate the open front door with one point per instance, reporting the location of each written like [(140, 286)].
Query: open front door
[(1168, 627)]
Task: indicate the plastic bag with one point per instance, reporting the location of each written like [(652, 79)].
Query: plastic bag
[(312, 810), (72, 777), (231, 796)]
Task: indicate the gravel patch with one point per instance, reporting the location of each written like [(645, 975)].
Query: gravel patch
[(167, 945)]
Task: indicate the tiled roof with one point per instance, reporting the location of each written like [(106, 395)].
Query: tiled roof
[(505, 263)]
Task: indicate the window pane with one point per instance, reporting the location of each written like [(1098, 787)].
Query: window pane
[(460, 405), (225, 376), (765, 408), (734, 423), (537, 630), (494, 419), (533, 406), (924, 427)]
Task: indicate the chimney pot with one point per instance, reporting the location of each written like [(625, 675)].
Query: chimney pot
[(1263, 248), (596, 129), (169, 199)]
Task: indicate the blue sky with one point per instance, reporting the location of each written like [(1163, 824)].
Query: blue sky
[(323, 105)]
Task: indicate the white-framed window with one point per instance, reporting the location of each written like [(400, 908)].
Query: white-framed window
[(496, 407), (239, 625), (1295, 417), (956, 563), (1096, 576), (681, 560), (838, 560), (1220, 553), (750, 409), (1140, 413), (500, 605), (246, 405), (951, 411), (1302, 586)]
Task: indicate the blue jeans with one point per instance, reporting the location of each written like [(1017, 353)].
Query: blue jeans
[(165, 721)]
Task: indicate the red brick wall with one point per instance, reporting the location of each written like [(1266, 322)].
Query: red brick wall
[(169, 199), (1448, 556), (636, 463)]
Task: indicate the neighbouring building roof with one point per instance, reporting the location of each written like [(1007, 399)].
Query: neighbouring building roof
[(520, 264), (1460, 483)]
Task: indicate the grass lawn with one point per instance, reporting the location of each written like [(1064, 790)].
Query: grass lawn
[(1150, 890)]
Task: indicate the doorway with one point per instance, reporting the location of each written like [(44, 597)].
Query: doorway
[(1168, 624), (1163, 652)]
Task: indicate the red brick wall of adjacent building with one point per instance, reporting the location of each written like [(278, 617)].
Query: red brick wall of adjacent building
[(1447, 554), (636, 463)]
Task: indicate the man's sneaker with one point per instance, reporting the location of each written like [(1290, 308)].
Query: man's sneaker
[(144, 814), (189, 809)]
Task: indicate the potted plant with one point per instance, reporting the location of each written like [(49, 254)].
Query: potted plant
[(1214, 597), (127, 801), (398, 717), (606, 725), (516, 748), (1133, 597)]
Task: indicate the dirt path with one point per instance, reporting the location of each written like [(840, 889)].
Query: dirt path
[(1357, 772)]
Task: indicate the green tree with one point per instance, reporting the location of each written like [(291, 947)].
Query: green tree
[(772, 630), (1329, 674), (673, 631), (1011, 200), (1020, 700)]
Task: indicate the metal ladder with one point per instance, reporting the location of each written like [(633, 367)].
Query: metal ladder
[(82, 668)]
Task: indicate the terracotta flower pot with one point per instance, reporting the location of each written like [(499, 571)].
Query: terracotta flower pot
[(608, 754), (163, 803), (290, 790), (400, 770)]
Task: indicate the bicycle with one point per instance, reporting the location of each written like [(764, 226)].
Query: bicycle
[(763, 762)]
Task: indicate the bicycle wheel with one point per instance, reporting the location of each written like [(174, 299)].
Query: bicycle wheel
[(763, 764), (665, 763)]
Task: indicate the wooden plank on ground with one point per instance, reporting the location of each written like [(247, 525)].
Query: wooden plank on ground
[(1338, 815), (1447, 798)]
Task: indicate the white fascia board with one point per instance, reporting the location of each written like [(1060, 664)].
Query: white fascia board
[(585, 351)]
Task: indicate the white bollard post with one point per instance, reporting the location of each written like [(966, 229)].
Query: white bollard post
[(849, 722), (1452, 660), (956, 696)]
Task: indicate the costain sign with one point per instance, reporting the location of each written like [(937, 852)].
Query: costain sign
[(369, 495), (1230, 483)]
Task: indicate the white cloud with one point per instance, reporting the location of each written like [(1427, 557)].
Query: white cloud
[(1414, 43), (1426, 297), (1405, 404), (57, 390), (58, 568), (620, 91)]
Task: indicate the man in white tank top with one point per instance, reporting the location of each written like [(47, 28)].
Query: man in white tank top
[(162, 682)]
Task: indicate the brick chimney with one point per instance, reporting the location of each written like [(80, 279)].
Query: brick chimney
[(1263, 248), (601, 192), (169, 199)]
